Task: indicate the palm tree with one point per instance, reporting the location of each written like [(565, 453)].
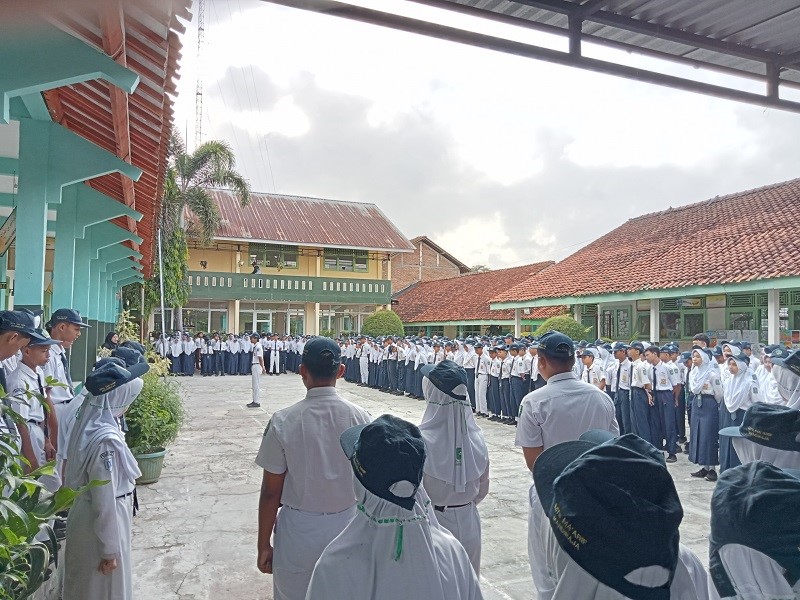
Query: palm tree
[(186, 189)]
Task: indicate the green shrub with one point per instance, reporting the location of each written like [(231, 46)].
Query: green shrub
[(383, 322), (564, 324), (156, 416)]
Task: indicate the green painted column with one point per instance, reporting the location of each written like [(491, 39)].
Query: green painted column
[(81, 207), (50, 157), (4, 279)]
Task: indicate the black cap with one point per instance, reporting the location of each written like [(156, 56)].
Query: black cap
[(22, 321), (447, 376), (385, 453), (108, 360), (619, 346), (613, 509), (134, 345), (788, 360), (478, 345), (322, 352), (770, 425), (716, 351), (637, 345), (686, 356), (66, 315), (128, 355), (556, 345), (755, 505), (111, 376)]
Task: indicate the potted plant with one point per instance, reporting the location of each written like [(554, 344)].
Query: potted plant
[(154, 419)]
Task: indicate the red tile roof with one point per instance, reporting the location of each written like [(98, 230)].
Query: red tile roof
[(466, 297), (145, 37), (277, 218), (742, 234)]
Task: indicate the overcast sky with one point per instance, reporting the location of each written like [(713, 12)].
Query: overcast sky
[(501, 160)]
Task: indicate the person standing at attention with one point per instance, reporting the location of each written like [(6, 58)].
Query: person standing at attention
[(307, 484), (256, 369), (561, 411)]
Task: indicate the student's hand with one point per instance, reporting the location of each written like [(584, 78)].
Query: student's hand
[(49, 450), (107, 565), (263, 370), (650, 401), (265, 560)]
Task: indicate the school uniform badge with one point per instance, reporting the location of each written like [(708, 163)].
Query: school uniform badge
[(108, 460)]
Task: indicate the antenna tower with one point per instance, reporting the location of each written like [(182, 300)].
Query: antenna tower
[(198, 102)]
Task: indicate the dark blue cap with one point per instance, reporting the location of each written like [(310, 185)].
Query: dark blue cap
[(478, 344), (322, 352), (755, 505), (716, 351), (110, 376), (686, 356), (613, 509), (770, 425), (556, 345), (447, 376), (134, 345), (619, 346), (66, 315), (385, 452), (108, 360), (128, 355), (745, 345), (637, 345), (21, 321), (788, 360)]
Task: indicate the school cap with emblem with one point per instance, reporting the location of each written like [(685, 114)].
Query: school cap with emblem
[(108, 360), (556, 345), (322, 352), (387, 457), (619, 346), (66, 315), (755, 505), (613, 509), (21, 321), (447, 376), (128, 355), (111, 376), (787, 358), (637, 345), (770, 425)]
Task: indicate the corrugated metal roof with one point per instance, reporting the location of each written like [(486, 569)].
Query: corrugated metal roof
[(278, 218), (144, 35)]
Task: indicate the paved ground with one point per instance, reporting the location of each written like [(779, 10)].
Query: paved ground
[(195, 536)]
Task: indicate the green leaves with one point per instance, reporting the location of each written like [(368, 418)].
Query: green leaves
[(155, 418), (383, 322)]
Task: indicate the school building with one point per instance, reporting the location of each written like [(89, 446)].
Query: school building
[(85, 117), (428, 262), (292, 265), (460, 306), (729, 266)]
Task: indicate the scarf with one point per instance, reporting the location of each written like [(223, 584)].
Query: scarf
[(699, 376), (788, 385), (738, 390)]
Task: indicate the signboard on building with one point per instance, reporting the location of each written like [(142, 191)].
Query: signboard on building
[(8, 231), (716, 301), (691, 303)]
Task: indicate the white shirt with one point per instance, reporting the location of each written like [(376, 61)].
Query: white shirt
[(55, 369), (258, 353), (562, 411), (302, 441), (24, 378)]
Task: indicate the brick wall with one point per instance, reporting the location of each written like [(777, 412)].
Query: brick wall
[(406, 270)]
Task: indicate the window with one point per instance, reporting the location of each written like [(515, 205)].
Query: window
[(197, 280), (345, 260), (205, 281), (275, 256), (670, 325), (324, 286), (370, 288), (230, 282), (643, 325), (303, 284), (261, 283), (213, 282), (623, 323), (358, 287), (693, 323)]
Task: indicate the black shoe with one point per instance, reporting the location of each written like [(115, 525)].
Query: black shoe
[(701, 473), (672, 458), (253, 405), (686, 448), (512, 422), (682, 440), (494, 418), (712, 475)]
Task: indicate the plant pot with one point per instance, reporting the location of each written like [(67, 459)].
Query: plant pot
[(150, 464)]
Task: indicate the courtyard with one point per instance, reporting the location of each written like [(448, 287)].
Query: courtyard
[(195, 536)]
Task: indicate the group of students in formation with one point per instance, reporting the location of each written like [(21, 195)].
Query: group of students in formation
[(81, 429), (228, 354), (352, 507)]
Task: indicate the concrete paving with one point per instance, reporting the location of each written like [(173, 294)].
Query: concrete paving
[(195, 537)]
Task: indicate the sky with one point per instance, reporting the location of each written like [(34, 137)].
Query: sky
[(501, 160)]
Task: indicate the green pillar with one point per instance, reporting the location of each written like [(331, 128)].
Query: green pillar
[(4, 280)]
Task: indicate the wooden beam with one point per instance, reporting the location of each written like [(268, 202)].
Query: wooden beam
[(112, 23)]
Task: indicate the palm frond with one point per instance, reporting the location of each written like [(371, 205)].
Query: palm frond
[(202, 205), (236, 183)]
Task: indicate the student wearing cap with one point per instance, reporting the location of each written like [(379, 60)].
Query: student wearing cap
[(457, 465), (739, 392), (559, 412), (593, 373), (517, 384), (506, 362), (493, 393), (665, 382), (40, 435), (641, 392), (305, 474), (769, 433), (755, 533), (97, 562), (470, 364), (482, 366), (16, 328), (621, 379), (256, 368), (613, 516), (393, 549), (705, 386), (786, 371)]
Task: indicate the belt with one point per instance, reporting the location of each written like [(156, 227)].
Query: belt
[(124, 495), (64, 401), (35, 422), (441, 508)]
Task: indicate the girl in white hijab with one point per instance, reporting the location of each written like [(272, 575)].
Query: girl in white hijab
[(706, 390), (740, 391), (457, 465), (786, 371), (393, 549), (98, 548)]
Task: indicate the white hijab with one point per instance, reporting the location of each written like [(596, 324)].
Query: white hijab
[(741, 389), (421, 358), (449, 429), (788, 386), (95, 423), (698, 376), (749, 451), (755, 576), (389, 553)]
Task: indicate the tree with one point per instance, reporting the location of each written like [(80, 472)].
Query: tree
[(564, 324), (186, 187), (479, 269), (383, 322)]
